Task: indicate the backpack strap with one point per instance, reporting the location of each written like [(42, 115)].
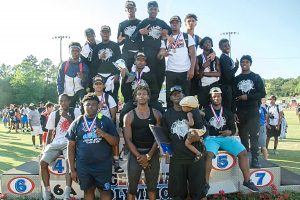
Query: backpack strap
[(107, 102), (186, 39), (68, 64)]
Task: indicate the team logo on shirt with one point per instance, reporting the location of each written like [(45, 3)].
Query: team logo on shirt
[(180, 128), (245, 86), (64, 125), (135, 83), (217, 124), (108, 54), (129, 30), (90, 137), (154, 32)]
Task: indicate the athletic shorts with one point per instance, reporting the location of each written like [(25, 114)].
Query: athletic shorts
[(229, 144), (95, 175), (273, 132), (53, 151), (36, 130), (262, 137), (134, 173)]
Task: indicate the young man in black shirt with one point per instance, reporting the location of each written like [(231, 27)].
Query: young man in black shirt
[(228, 70), (221, 127), (148, 35), (105, 54), (186, 177), (125, 31), (248, 89), (142, 146)]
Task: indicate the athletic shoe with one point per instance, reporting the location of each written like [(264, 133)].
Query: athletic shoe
[(250, 185), (67, 193), (47, 195), (275, 152), (255, 163), (118, 169)]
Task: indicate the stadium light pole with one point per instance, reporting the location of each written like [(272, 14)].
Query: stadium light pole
[(229, 36), (60, 37)]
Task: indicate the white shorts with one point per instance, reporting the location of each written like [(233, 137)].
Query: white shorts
[(37, 130)]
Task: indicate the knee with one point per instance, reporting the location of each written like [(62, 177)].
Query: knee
[(243, 154), (44, 165), (209, 156)]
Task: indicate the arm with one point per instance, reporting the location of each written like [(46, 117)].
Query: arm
[(113, 112), (260, 90), (128, 119), (217, 73), (71, 159), (192, 54), (230, 126), (49, 136), (120, 38), (112, 140), (227, 72)]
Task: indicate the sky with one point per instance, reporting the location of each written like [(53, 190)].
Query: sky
[(268, 30)]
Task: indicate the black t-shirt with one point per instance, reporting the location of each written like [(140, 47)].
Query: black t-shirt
[(175, 125), (146, 79), (90, 148), (252, 85), (127, 28), (228, 70), (113, 53), (219, 123), (152, 41)]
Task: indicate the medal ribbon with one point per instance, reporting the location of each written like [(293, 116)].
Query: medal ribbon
[(138, 77), (173, 46), (215, 114), (89, 128)]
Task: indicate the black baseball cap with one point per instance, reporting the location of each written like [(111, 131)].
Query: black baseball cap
[(89, 32), (152, 4), (273, 97), (105, 28), (130, 4), (175, 18), (175, 88)]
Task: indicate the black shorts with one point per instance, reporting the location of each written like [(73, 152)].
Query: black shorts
[(273, 132), (95, 175), (186, 179)]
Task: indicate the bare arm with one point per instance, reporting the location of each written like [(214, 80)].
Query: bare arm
[(71, 159), (112, 140), (49, 136), (192, 54), (113, 112), (217, 73)]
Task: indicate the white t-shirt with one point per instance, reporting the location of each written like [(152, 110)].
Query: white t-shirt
[(272, 111), (179, 60), (62, 126), (105, 109)]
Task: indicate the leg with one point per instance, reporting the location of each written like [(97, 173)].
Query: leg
[(115, 149), (244, 165), (208, 165), (151, 175), (267, 142), (275, 142), (33, 140), (170, 82), (89, 194), (45, 173), (193, 149), (134, 174), (105, 195), (41, 139)]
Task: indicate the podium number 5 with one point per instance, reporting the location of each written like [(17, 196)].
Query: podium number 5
[(222, 161)]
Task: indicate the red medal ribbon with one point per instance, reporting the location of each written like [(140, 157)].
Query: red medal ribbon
[(89, 128), (215, 114)]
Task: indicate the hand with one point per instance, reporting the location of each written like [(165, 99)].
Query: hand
[(190, 116), (74, 176), (268, 126), (190, 74), (144, 31), (124, 71), (236, 118), (237, 63), (142, 160), (120, 38), (206, 64), (99, 132), (80, 75), (102, 56), (225, 133), (170, 39), (211, 56), (193, 137), (164, 33), (242, 97)]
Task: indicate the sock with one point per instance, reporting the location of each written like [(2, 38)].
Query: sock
[(116, 161)]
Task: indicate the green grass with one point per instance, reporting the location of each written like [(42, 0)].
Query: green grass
[(16, 148), (289, 149)]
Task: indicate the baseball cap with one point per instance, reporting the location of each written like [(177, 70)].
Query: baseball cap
[(152, 4), (215, 90), (75, 45), (105, 28), (176, 88), (98, 79), (130, 4), (89, 32), (273, 97), (175, 18), (189, 101), (140, 54)]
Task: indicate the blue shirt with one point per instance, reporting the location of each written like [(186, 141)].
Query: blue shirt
[(262, 115), (90, 148)]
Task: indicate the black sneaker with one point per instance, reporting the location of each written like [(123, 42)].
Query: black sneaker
[(250, 185), (255, 163), (118, 169)]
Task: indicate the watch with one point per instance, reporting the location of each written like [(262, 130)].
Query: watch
[(148, 157)]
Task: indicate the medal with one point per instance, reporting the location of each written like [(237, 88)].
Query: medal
[(218, 119), (89, 128), (138, 77)]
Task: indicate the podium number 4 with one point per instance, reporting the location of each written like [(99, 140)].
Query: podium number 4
[(58, 166)]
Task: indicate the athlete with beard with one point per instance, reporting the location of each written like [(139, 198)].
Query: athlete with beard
[(221, 128)]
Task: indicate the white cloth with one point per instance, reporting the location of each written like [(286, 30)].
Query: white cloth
[(146, 69), (109, 84), (86, 49), (105, 109), (62, 126), (72, 85), (179, 60), (272, 111)]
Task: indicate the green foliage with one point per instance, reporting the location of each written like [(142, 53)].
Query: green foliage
[(283, 87)]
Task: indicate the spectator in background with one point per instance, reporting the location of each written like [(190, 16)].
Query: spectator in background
[(44, 118), (262, 137), (35, 124), (41, 108), (284, 127)]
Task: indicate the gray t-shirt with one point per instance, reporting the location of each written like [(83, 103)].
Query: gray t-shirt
[(34, 117)]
